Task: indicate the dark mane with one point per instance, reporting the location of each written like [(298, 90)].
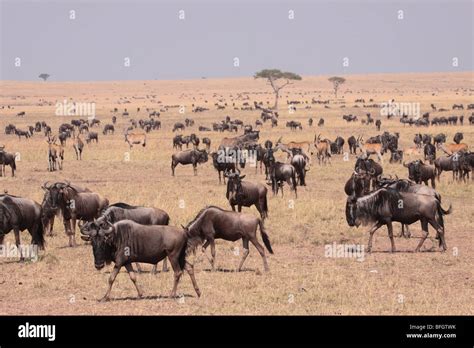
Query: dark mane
[(123, 205), (369, 206)]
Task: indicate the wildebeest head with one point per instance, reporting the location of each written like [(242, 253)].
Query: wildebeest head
[(234, 185), (100, 233), (202, 156), (351, 207), (5, 218), (413, 169)]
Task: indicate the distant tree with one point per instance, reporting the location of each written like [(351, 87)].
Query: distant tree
[(275, 75), (336, 82), (44, 76)]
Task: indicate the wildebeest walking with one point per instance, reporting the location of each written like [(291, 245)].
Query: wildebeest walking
[(19, 214), (383, 206), (126, 242), (215, 223), (244, 193), (141, 215), (193, 157)]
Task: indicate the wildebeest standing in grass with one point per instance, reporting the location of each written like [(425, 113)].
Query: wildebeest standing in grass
[(193, 157), (244, 193), (383, 206), (420, 172), (299, 163), (444, 163), (280, 173), (48, 210), (141, 215), (213, 223), (126, 242), (352, 142), (206, 141), (6, 159), (222, 163), (75, 205), (19, 214)]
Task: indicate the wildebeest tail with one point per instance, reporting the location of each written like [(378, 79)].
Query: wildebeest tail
[(265, 238), (441, 213), (265, 207), (38, 235)]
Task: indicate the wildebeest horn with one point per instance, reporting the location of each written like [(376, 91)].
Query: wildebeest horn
[(372, 171), (45, 186), (80, 223), (404, 164)]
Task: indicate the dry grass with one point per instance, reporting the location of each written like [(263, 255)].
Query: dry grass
[(302, 280)]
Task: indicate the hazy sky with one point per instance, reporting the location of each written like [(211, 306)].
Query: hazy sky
[(94, 45)]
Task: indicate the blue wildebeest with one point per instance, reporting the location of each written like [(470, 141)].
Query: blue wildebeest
[(126, 242)]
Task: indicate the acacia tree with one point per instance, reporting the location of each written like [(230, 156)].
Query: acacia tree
[(44, 76), (336, 82), (273, 76)]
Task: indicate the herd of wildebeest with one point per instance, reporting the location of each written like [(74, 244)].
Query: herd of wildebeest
[(125, 234)]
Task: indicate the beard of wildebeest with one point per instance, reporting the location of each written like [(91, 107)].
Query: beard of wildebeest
[(351, 204)]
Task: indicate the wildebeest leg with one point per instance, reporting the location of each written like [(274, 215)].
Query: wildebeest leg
[(173, 166), (440, 230), (245, 253), (260, 249), (390, 234), (190, 269), (213, 253), (424, 227), (177, 273), (372, 231), (17, 242), (165, 265), (133, 278), (112, 277), (239, 208)]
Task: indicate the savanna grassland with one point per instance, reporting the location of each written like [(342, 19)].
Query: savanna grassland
[(301, 279)]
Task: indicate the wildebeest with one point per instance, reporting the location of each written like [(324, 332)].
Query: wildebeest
[(298, 161), (421, 172), (6, 159), (396, 156), (21, 133), (439, 139), (74, 205), (321, 122), (193, 157), (126, 242), (92, 136), (244, 193), (108, 129), (215, 223), (141, 215), (222, 163), (338, 145), (206, 141), (444, 163), (78, 146), (429, 152), (48, 210), (135, 138), (280, 173), (369, 166), (178, 142), (383, 206), (352, 142), (178, 125), (19, 214)]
